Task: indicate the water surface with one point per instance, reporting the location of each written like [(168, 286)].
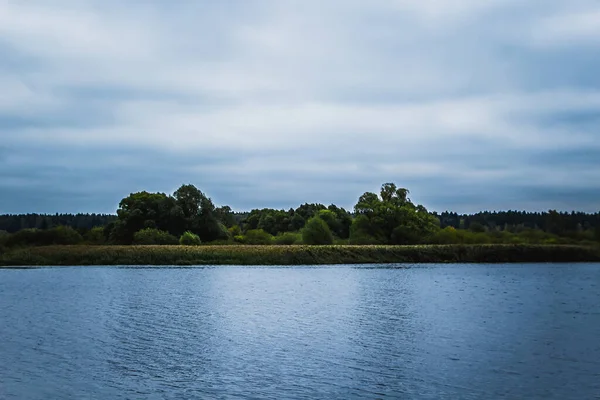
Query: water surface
[(424, 332)]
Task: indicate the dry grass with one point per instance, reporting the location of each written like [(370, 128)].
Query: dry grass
[(293, 255)]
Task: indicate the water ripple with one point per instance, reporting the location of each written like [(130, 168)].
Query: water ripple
[(397, 331)]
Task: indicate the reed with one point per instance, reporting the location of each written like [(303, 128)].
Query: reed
[(293, 254)]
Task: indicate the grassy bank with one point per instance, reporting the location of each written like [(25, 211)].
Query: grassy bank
[(293, 255)]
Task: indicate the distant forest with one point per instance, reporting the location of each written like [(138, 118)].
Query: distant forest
[(389, 217), (12, 223)]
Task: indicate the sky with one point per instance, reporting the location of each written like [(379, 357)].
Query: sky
[(471, 105)]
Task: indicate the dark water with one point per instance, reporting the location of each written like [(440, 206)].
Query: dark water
[(434, 332)]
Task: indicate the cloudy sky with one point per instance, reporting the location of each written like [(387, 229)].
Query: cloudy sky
[(470, 104)]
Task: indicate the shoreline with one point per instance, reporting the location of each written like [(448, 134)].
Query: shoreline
[(88, 255)]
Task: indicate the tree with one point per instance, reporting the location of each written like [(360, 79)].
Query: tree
[(476, 227), (226, 216), (297, 222), (317, 232), (308, 211), (343, 221), (391, 218), (199, 214), (95, 236), (145, 210)]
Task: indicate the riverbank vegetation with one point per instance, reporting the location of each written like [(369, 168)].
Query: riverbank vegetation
[(293, 255), (189, 217)]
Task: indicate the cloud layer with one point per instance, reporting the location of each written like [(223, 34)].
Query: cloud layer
[(472, 105)]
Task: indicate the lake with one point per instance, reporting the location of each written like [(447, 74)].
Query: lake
[(411, 332)]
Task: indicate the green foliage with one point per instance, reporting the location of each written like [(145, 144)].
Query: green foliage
[(317, 232), (257, 237), (391, 218), (363, 232), (80, 222), (234, 231), (307, 211), (449, 235), (95, 236), (151, 236), (189, 239), (269, 220), (241, 239), (200, 215), (187, 210), (61, 235), (226, 216), (343, 221), (297, 222), (145, 210), (477, 227), (288, 238), (275, 222)]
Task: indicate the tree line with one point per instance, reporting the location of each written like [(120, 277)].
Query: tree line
[(12, 223), (190, 217)]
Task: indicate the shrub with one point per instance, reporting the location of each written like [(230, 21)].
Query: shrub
[(287, 238), (150, 236), (189, 239), (477, 227), (37, 237), (95, 236), (257, 236), (63, 235), (316, 231), (448, 235), (239, 239), (235, 231)]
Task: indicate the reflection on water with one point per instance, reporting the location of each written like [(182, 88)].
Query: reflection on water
[(460, 331)]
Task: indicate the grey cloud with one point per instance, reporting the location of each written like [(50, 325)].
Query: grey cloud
[(471, 105)]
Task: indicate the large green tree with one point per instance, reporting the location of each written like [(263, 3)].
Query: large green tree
[(187, 210), (200, 215), (391, 218), (317, 232), (145, 210)]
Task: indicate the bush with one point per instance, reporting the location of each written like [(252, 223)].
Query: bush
[(448, 235), (316, 231), (95, 236), (287, 238), (189, 239), (37, 237), (239, 239), (235, 231), (63, 235), (257, 236), (477, 227), (150, 236)]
